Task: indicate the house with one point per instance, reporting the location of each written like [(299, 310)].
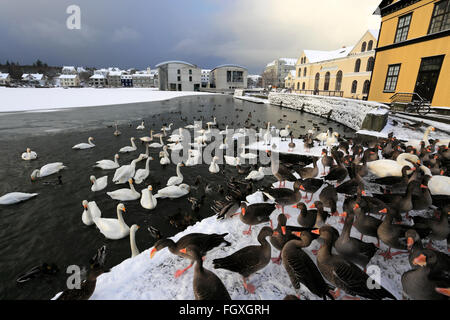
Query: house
[(276, 71), (114, 79), (98, 80), (142, 80), (343, 72), (413, 52), (126, 80), (205, 77), (289, 81), (34, 78), (254, 81), (228, 76), (69, 80), (5, 79), (154, 78), (68, 70), (178, 76)]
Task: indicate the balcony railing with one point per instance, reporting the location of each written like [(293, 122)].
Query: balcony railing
[(329, 93)]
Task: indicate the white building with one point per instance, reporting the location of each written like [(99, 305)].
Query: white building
[(34, 78), (69, 80), (179, 76), (5, 79), (114, 78), (205, 77), (142, 80), (228, 76), (98, 80), (277, 70)]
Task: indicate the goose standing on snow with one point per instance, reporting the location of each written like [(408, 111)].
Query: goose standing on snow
[(108, 164), (91, 211), (98, 184), (47, 170), (175, 180), (125, 194), (15, 197), (142, 174), (29, 155), (148, 201), (129, 148), (134, 248), (284, 133), (125, 172), (113, 229), (141, 126), (214, 167), (85, 145)]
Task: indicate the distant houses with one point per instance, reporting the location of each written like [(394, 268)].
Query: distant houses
[(69, 80), (276, 71), (34, 78), (5, 79)]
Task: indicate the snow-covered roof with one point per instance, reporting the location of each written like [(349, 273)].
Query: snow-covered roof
[(254, 77), (115, 73), (175, 61), (68, 76), (33, 76), (142, 75), (271, 63), (81, 69), (97, 76), (289, 61), (69, 68), (4, 75), (229, 65), (317, 56), (206, 70)]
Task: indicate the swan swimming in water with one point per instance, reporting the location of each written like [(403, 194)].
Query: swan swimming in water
[(173, 192), (256, 175), (98, 184), (91, 211), (129, 148), (214, 167), (134, 248), (47, 170), (113, 229), (148, 201), (16, 197), (178, 178), (142, 174), (125, 172), (108, 164), (85, 145), (125, 194), (29, 155), (141, 126)]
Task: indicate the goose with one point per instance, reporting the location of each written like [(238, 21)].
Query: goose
[(29, 155), (98, 184), (156, 144), (129, 148), (165, 157), (141, 126), (125, 172), (214, 167), (284, 133), (256, 175), (16, 197), (113, 229), (175, 180), (147, 138), (134, 248), (91, 211), (385, 167), (267, 135), (117, 132), (148, 201), (415, 143), (108, 164), (169, 128), (47, 170), (125, 194), (85, 145), (173, 192), (232, 161), (142, 174), (247, 155)]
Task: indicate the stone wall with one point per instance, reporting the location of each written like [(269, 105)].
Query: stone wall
[(349, 112)]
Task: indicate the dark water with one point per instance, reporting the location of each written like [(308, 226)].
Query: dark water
[(49, 229)]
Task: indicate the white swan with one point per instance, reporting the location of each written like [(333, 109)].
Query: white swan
[(147, 139), (156, 144), (173, 191), (148, 201), (415, 143), (164, 155), (142, 174), (247, 155), (47, 170), (256, 175), (147, 152), (284, 133), (15, 197), (164, 128), (176, 137), (214, 167), (108, 164), (178, 178), (212, 123), (125, 172), (323, 136), (385, 167), (224, 145), (331, 141), (224, 132), (98, 184), (91, 211), (232, 161), (267, 135), (29, 155), (125, 194), (113, 229), (129, 148), (141, 126), (134, 248), (438, 185), (175, 146), (193, 159), (85, 145)]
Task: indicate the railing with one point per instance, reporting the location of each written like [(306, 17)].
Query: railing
[(410, 102), (406, 97), (329, 93)]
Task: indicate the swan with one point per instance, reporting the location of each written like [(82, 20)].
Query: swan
[(175, 146), (108, 164), (385, 167), (164, 155), (169, 128), (85, 145), (176, 137), (247, 155), (214, 167), (98, 184), (415, 143), (16, 197), (267, 135), (125, 172), (156, 144), (212, 123), (232, 161), (173, 191), (117, 132), (148, 201), (193, 159), (129, 148), (192, 126), (146, 154), (224, 145), (141, 126), (29, 155), (47, 170), (147, 139), (224, 132), (284, 133), (113, 229), (256, 175), (91, 211), (134, 249), (178, 178), (323, 136), (125, 194), (142, 174), (438, 185), (331, 141)]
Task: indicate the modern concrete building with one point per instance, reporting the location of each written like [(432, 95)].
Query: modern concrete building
[(276, 71), (98, 80), (178, 76), (228, 76), (5, 79), (69, 80)]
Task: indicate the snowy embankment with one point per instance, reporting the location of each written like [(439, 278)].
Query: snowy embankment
[(30, 99), (144, 278)]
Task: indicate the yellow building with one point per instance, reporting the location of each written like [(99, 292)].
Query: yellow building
[(289, 81), (412, 51), (344, 72)]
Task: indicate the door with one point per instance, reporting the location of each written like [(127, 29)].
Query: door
[(428, 77)]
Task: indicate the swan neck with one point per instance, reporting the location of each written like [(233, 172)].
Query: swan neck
[(120, 218), (134, 249)]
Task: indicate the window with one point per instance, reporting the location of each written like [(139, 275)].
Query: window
[(392, 77), (354, 86), (316, 82), (338, 81), (370, 64), (304, 72), (370, 45), (440, 19), (402, 28), (179, 78), (190, 78), (366, 87), (190, 71), (178, 71), (326, 85), (300, 72), (357, 65), (235, 76), (363, 46), (298, 85), (303, 86)]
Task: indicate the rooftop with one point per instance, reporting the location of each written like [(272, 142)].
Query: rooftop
[(317, 56), (175, 61)]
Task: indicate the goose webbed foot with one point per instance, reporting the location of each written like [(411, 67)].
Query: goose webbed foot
[(178, 273), (249, 287), (248, 232)]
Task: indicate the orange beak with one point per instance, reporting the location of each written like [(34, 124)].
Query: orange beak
[(383, 210), (343, 214), (294, 206), (317, 231), (421, 260), (183, 250), (283, 230), (363, 193), (296, 233), (413, 169), (410, 242), (152, 253), (301, 187), (275, 233), (312, 206), (444, 291), (356, 206), (423, 186), (243, 211)]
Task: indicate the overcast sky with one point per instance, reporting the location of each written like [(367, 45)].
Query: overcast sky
[(141, 33)]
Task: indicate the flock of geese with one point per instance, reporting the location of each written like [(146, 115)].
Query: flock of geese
[(410, 176)]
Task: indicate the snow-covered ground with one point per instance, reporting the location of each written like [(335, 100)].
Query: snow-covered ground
[(29, 99)]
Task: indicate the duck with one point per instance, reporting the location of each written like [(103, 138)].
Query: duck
[(214, 167), (29, 155), (148, 201), (16, 197), (255, 213), (248, 260), (284, 133), (133, 246), (175, 180), (98, 184), (386, 167), (125, 194), (202, 241), (142, 174), (88, 145), (291, 144), (108, 164), (173, 192), (91, 211), (256, 175), (113, 229), (141, 126), (46, 170), (415, 143), (129, 148)]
